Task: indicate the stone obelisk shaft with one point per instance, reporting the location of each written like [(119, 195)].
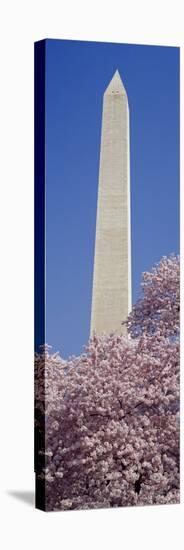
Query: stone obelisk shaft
[(111, 299)]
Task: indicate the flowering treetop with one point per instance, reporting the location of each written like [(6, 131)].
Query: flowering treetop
[(158, 308)]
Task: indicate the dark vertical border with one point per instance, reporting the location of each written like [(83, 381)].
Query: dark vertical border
[(39, 246)]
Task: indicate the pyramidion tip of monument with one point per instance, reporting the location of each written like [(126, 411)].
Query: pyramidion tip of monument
[(117, 74), (115, 85)]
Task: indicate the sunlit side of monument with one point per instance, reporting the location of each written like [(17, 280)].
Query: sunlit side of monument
[(111, 297)]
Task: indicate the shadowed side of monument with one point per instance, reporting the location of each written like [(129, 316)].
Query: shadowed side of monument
[(111, 298)]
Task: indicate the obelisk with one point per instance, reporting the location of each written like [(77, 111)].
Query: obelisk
[(111, 297)]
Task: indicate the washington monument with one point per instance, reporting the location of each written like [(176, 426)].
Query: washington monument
[(111, 298)]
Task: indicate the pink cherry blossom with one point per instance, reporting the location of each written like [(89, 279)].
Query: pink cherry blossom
[(107, 422)]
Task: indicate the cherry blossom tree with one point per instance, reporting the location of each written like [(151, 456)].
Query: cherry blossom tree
[(107, 422)]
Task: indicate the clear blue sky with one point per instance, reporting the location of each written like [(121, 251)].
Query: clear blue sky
[(77, 74)]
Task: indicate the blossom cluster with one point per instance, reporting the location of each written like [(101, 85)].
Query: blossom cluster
[(159, 306), (107, 422)]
